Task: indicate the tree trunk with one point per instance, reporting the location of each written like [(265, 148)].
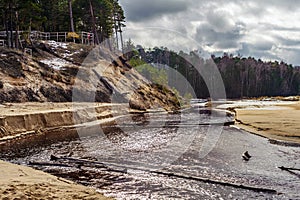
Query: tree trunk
[(121, 37), (17, 31), (29, 31), (11, 26), (6, 28), (94, 23), (71, 16), (115, 24)]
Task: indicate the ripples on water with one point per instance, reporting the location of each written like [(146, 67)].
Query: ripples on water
[(155, 142)]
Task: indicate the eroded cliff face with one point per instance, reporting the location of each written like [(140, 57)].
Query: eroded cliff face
[(56, 71)]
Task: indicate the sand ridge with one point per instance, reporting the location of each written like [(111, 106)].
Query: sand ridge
[(279, 122)]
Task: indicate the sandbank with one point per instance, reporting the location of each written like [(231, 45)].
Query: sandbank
[(280, 122)]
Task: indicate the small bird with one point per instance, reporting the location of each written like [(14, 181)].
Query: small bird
[(246, 156)]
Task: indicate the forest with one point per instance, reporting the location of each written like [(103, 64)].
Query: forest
[(104, 18), (242, 77)]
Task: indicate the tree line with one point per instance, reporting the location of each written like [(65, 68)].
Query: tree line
[(242, 77), (104, 18)]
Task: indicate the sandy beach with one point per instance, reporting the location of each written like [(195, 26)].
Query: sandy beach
[(278, 122), (20, 182)]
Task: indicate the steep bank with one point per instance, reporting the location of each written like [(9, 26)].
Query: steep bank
[(28, 124), (50, 73), (66, 72)]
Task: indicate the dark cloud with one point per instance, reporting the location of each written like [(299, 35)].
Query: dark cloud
[(262, 45), (210, 37), (288, 42), (250, 50), (219, 31), (137, 10)]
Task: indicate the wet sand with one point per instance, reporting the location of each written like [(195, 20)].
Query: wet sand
[(20, 182), (279, 122)]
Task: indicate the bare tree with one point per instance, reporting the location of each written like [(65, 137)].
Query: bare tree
[(71, 16), (94, 23)]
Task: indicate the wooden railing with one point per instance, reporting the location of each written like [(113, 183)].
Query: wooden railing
[(84, 37)]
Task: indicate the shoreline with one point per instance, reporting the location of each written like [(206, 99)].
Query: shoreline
[(37, 123), (280, 123), (23, 124), (21, 182)]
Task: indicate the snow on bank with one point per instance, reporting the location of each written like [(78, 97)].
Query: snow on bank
[(55, 44), (63, 46), (56, 63)]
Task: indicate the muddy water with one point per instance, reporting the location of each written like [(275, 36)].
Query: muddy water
[(137, 147)]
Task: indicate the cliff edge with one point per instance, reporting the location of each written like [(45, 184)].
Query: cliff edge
[(50, 74)]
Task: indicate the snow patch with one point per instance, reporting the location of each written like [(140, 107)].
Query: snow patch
[(55, 44), (56, 63), (68, 54)]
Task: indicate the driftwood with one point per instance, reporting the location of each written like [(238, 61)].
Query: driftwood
[(291, 170), (205, 180), (169, 174), (178, 125), (90, 163), (288, 169), (49, 164)]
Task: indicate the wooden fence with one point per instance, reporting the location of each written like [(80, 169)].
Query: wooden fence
[(84, 37)]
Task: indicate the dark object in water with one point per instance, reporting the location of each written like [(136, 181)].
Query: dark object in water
[(291, 170), (246, 156), (288, 168)]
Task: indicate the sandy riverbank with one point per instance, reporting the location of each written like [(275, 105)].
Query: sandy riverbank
[(19, 182), (278, 122), (16, 120)]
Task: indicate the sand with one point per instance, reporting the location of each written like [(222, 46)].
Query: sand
[(277, 122), (20, 182)]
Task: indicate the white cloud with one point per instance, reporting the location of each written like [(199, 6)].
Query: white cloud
[(267, 29)]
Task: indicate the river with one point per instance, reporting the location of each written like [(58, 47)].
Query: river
[(173, 156)]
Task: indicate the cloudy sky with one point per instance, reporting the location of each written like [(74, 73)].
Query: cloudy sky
[(266, 29)]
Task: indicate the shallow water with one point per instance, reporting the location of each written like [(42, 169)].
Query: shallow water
[(138, 147)]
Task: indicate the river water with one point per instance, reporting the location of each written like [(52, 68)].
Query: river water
[(171, 156)]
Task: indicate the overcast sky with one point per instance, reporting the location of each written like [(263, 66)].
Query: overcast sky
[(267, 29)]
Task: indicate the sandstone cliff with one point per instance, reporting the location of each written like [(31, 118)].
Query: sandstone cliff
[(50, 74)]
